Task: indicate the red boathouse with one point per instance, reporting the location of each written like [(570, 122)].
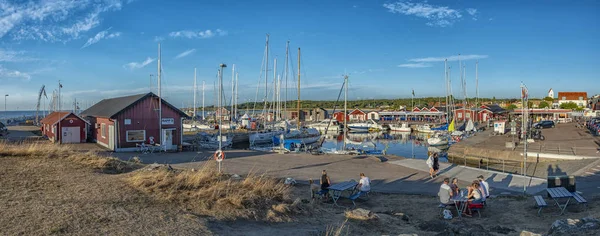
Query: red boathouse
[(73, 128), (120, 123)]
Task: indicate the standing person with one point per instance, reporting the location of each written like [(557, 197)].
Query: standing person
[(436, 164), (364, 184), (429, 163), (484, 187), (325, 182)]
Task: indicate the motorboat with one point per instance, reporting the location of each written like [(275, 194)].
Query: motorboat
[(196, 127), (328, 125), (424, 129), (369, 125), (208, 141), (400, 127), (437, 141)]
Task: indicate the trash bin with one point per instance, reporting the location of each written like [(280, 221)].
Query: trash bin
[(566, 181)]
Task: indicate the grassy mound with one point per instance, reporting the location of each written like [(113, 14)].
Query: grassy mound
[(109, 165), (207, 192)]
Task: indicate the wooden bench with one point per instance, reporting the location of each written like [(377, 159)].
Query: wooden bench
[(540, 203), (580, 199)]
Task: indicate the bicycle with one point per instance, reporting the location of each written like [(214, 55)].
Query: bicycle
[(143, 148)]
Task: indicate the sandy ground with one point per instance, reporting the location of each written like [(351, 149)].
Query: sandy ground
[(49, 196)]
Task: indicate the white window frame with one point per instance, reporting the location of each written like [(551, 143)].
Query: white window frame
[(460, 115), (103, 130), (564, 98), (580, 98), (127, 121), (53, 128), (134, 141)]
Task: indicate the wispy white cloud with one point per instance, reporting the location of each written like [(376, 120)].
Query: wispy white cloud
[(441, 16), (158, 38), (472, 12), (414, 65), (186, 53), (197, 34), (13, 74), (138, 65), (14, 56), (57, 20), (101, 35), (449, 58)]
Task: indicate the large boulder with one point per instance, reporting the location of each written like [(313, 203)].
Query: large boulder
[(574, 226)]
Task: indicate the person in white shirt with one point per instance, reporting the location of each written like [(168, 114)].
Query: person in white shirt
[(484, 186), (364, 185), (445, 192)]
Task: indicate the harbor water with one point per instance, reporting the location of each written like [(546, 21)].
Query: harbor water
[(404, 144)]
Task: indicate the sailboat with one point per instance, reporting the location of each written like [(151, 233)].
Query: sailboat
[(400, 127), (195, 125), (266, 135), (303, 135)]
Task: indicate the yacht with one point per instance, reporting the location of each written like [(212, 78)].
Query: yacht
[(364, 126), (400, 127), (328, 125)]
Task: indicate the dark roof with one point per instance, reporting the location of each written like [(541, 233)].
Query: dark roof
[(113, 106), (495, 108), (56, 116)]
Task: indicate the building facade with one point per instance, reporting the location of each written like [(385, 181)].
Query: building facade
[(358, 115), (579, 98), (120, 124), (73, 128)]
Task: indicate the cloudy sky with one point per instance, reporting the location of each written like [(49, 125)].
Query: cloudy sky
[(106, 48)]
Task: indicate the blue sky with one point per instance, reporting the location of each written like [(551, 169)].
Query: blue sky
[(101, 49)]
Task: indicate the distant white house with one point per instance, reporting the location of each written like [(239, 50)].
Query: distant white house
[(551, 93), (579, 98)]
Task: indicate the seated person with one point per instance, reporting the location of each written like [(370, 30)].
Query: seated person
[(445, 193), (314, 188), (364, 184), (475, 197), (454, 187)]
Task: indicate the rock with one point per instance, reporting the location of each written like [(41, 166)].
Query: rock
[(235, 176), (433, 225), (402, 216), (361, 214), (574, 226), (501, 230), (290, 181), (527, 233), (446, 233)]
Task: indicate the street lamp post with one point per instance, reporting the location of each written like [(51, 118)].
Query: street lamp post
[(6, 95)]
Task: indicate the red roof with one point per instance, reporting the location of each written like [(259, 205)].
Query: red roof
[(357, 111), (572, 95), (54, 117)]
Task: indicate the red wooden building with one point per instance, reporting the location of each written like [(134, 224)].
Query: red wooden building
[(339, 116), (73, 128), (358, 115), (120, 123)]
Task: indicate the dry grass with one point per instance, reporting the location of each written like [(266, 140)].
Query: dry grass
[(206, 192), (337, 230), (91, 159)]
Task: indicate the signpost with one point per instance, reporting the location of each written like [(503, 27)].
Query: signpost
[(219, 157)]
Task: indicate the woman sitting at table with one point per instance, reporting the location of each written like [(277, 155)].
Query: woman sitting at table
[(475, 197), (454, 187)]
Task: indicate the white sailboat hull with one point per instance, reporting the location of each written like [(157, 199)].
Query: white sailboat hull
[(264, 137), (437, 141), (400, 128)]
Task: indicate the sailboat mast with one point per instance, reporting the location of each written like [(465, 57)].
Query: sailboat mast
[(203, 85), (159, 100), (476, 88), (299, 89), (237, 74), (287, 46), (275, 89), (232, 95), (345, 108), (195, 91), (266, 80), (446, 81), (220, 108)]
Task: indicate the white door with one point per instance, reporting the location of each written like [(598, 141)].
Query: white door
[(485, 116), (167, 138), (70, 135), (111, 137)]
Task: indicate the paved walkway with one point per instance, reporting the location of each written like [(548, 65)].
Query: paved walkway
[(499, 182)]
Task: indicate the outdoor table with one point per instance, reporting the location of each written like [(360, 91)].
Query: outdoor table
[(558, 194), (339, 188), (460, 203)]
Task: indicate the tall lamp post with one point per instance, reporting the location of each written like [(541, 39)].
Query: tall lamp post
[(6, 95)]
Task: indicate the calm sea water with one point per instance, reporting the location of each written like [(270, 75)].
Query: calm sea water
[(402, 144), (17, 114)]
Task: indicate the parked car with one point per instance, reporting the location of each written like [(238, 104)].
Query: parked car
[(3, 129), (545, 124)]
